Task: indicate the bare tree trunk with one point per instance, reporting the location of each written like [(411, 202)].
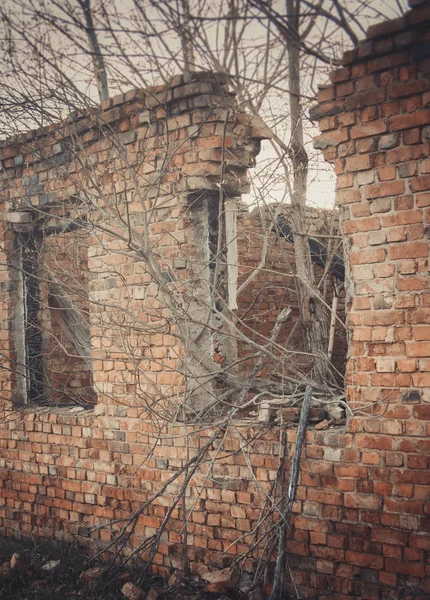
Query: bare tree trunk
[(187, 42), (314, 315), (98, 59)]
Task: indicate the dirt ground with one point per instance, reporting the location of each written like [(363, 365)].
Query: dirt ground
[(42, 571), (30, 581)]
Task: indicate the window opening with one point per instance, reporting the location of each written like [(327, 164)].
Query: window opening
[(52, 331), (32, 332)]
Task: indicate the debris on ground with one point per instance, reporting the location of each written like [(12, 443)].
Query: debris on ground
[(17, 564), (220, 581), (50, 565), (93, 575), (131, 592), (30, 571), (249, 590), (173, 580), (5, 569)]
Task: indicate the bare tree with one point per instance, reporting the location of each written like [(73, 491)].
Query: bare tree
[(97, 55)]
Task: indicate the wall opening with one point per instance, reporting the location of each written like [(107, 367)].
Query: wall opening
[(51, 320), (273, 288)]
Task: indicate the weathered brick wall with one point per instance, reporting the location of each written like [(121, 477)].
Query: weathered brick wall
[(361, 517), (145, 171), (374, 121), (358, 518)]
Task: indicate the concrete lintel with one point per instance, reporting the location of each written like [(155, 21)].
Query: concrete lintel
[(19, 217)]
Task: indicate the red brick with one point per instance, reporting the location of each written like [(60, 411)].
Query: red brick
[(371, 458), (385, 63), (364, 560), (388, 578), (389, 536), (415, 428), (390, 520), (366, 146), (403, 506), (418, 316), (412, 554), (318, 537), (417, 461), (362, 162), (345, 181), (408, 88), (340, 75), (392, 427), (347, 196), (416, 119), (420, 184), (309, 479), (383, 488), (386, 28), (383, 190), (410, 105), (327, 553), (404, 568), (331, 138), (386, 173), (404, 490), (405, 154), (423, 200), (368, 224), (375, 255), (370, 96), (411, 137), (326, 93), (383, 317), (311, 524), (364, 501), (418, 349), (380, 442), (392, 436), (421, 541), (324, 496), (408, 250), (390, 551), (369, 129)]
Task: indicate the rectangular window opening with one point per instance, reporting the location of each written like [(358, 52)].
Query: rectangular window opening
[(52, 325)]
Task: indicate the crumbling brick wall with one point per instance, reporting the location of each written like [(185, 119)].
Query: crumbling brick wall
[(374, 121), (146, 172), (360, 523)]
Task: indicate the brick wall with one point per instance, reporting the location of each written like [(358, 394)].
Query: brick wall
[(144, 171), (374, 121), (360, 524)]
